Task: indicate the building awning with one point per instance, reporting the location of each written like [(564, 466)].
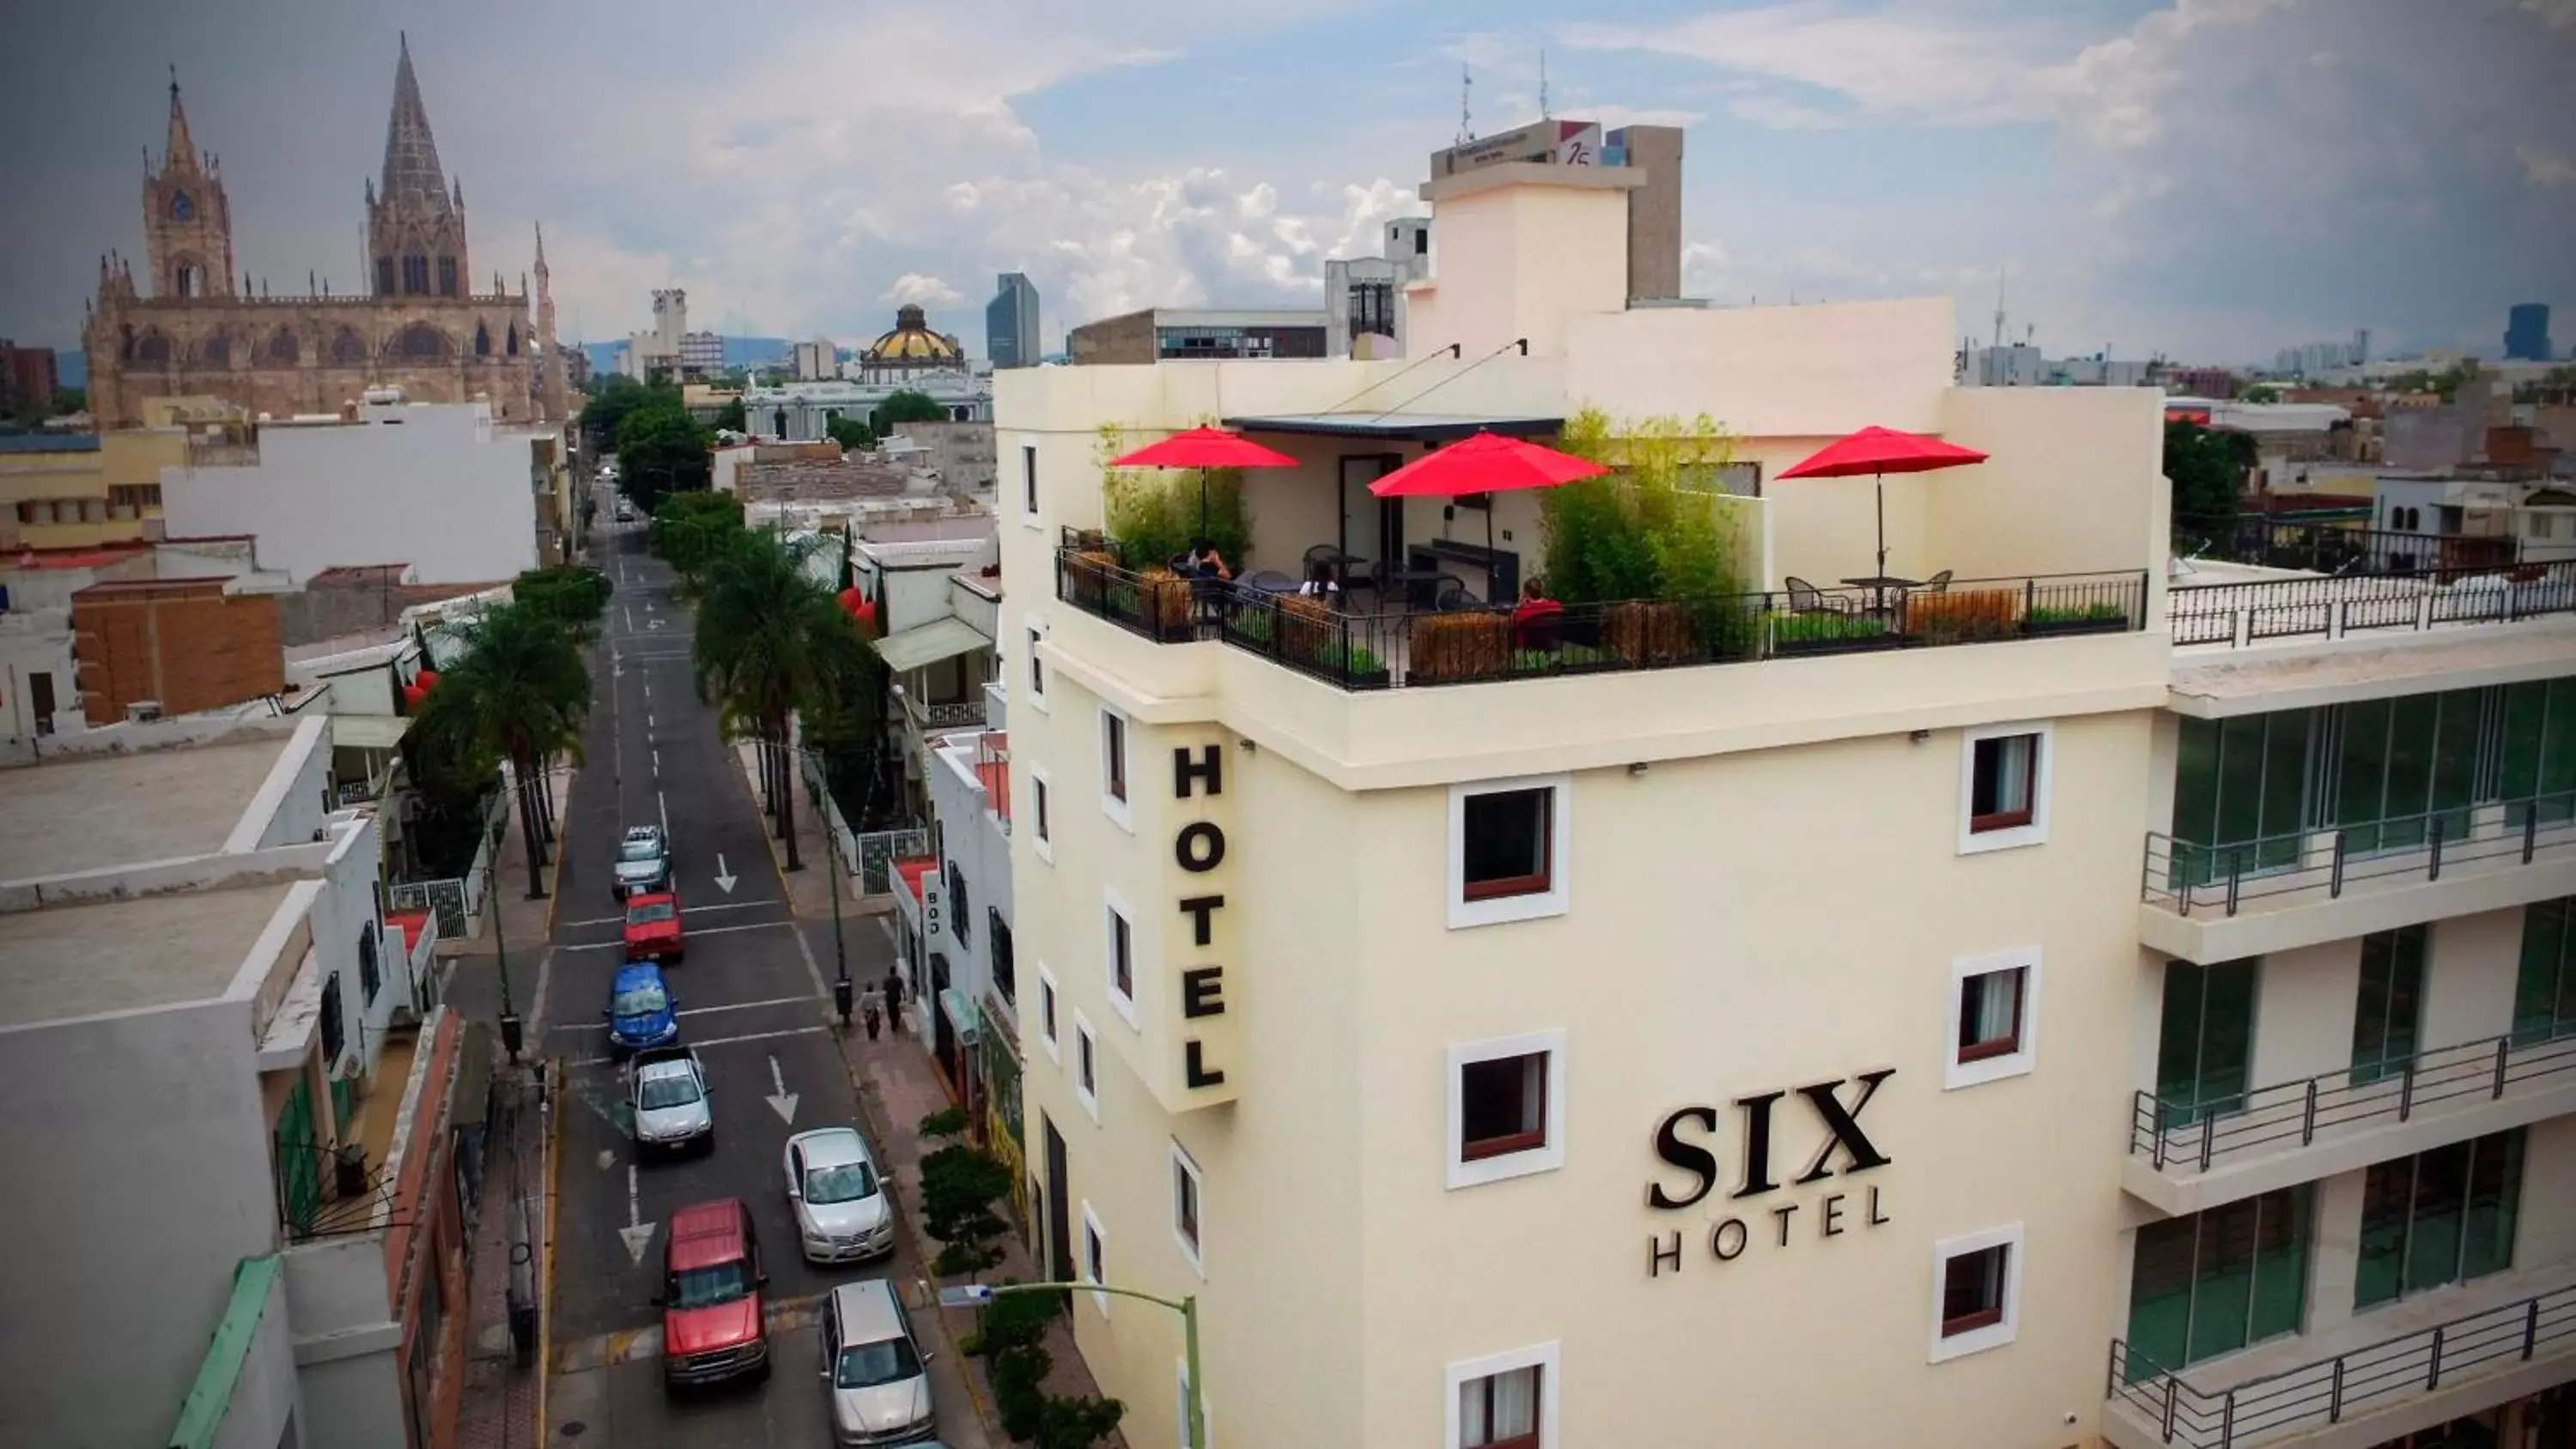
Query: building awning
[(368, 731), (929, 643), (1419, 427)]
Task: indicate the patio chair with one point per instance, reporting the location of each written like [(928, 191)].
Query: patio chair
[(1806, 598), (1454, 594), (1938, 584)]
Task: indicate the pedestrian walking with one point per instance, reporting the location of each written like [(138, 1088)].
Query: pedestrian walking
[(868, 1013), (894, 999)]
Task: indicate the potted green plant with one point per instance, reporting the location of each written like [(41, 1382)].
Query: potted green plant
[(2100, 617), (1828, 632)]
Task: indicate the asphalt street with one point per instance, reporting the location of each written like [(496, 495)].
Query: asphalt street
[(752, 1000)]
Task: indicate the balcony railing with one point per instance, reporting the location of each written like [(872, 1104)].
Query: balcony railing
[(2326, 548), (945, 715), (2197, 1133), (2243, 614), (2183, 876), (2325, 1392), (1482, 643)]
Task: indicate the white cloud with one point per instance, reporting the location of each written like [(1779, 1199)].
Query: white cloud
[(922, 289), (2545, 168)]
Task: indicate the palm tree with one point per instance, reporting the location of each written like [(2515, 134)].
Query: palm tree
[(771, 643), (519, 693)]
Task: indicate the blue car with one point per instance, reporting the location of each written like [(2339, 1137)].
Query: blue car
[(640, 1009)]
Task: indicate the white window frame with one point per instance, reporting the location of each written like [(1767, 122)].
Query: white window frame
[(1034, 629), (1086, 1049), (1540, 1356), (1115, 906), (1084, 1268), (1978, 842), (1029, 486), (2019, 1062), (1993, 1335), (1042, 814), (1121, 813), (1554, 901), (1187, 1166), (1050, 1001), (1547, 1157)]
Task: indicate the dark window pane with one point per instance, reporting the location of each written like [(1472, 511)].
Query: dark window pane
[(2281, 1264), (2495, 1202), (1972, 1289), (2002, 782), (1506, 843), (2558, 753), (2386, 1190), (1503, 1105), (2285, 785), (2455, 758), (2178, 1042), (2544, 997), (2362, 798), (2227, 1036), (2391, 999), (2240, 779), (2160, 1297), (2411, 726), (2525, 707), (2223, 1297), (2441, 1198)]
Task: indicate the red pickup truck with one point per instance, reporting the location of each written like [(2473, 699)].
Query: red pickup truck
[(712, 1328), (653, 927)]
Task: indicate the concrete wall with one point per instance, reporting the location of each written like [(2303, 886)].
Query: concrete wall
[(33, 644), (975, 843), (146, 1155), (331, 495), (346, 1341), (1520, 261)]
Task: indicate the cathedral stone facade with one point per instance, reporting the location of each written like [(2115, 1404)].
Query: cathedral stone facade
[(190, 326)]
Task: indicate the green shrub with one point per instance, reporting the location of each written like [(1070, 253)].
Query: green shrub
[(1154, 512), (1655, 528)]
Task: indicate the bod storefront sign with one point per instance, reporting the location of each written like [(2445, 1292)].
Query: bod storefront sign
[(1689, 1142)]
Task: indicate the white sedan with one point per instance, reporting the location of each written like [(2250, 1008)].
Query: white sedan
[(842, 1212)]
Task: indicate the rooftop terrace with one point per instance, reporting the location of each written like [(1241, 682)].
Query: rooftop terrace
[(89, 812), (71, 961)]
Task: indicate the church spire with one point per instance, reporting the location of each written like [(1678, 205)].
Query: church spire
[(412, 179), (182, 152)]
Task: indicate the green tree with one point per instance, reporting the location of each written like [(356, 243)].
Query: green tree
[(573, 596), (850, 433), (1155, 513), (69, 400), (960, 1184), (662, 451), (1654, 528), (2206, 468), (906, 406), (689, 531), (730, 418), (2260, 392), (519, 694), (612, 396), (771, 642)]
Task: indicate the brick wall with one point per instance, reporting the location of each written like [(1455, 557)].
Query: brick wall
[(184, 643)]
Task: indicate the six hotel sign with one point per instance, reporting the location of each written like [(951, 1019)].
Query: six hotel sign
[(1688, 1141)]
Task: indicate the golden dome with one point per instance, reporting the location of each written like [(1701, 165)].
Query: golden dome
[(913, 341)]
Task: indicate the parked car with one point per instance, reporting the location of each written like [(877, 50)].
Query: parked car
[(641, 1011), (653, 927), (643, 861), (672, 1110), (839, 1201), (712, 1328), (873, 1368), (625, 511)]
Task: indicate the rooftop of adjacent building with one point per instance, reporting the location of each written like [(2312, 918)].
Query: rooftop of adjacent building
[(71, 961), (49, 443), (66, 813)]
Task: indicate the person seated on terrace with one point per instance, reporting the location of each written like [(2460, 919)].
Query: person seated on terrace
[(1322, 582), (1534, 618), (1204, 562)]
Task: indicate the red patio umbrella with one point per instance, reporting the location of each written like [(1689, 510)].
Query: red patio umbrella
[(1204, 448), (1879, 452), (1485, 463)]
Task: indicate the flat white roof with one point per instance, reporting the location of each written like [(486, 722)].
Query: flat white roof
[(71, 961), (91, 812)]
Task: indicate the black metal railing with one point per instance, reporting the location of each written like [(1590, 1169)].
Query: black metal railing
[(1482, 643), (2183, 876), (2327, 1390), (2250, 613), (2328, 548), (326, 1191), (2194, 1133)]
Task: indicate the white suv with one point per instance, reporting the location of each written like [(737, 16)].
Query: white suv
[(643, 862)]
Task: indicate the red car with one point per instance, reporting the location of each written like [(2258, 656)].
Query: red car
[(653, 927), (712, 1327)]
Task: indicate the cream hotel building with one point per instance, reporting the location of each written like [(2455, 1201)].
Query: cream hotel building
[(2109, 1000)]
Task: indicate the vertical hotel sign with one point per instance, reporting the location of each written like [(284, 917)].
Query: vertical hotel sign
[(1202, 1069)]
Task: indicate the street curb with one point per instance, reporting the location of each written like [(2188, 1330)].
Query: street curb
[(553, 1080)]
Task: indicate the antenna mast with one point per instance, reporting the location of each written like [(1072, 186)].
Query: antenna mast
[(1543, 113), (1466, 91)]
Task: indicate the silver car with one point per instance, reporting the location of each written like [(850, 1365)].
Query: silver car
[(873, 1369), (842, 1213), (671, 1107), (643, 862)]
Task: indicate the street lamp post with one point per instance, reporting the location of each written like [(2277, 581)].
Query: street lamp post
[(976, 1295)]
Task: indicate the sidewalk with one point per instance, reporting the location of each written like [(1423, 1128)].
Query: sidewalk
[(897, 1087), (502, 1401), (525, 925), (809, 891)]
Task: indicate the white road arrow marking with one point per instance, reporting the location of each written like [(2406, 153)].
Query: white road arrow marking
[(637, 1232), (784, 1103), (724, 877)]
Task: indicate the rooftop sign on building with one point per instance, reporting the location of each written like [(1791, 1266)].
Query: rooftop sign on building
[(1554, 143)]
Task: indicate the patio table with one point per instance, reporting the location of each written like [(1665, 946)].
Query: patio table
[(1880, 586)]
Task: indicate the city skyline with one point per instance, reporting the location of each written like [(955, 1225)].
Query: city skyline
[(2213, 179)]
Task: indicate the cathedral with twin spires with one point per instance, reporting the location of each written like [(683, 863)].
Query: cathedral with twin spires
[(191, 326)]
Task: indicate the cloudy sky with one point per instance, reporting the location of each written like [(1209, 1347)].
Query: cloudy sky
[(2214, 179)]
